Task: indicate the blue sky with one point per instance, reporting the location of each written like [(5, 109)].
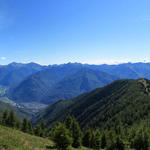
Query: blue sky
[(61, 31)]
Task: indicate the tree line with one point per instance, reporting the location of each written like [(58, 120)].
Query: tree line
[(9, 119), (68, 134)]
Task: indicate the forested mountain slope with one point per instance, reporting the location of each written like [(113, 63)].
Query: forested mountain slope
[(124, 102)]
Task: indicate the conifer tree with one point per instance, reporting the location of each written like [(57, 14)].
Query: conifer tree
[(141, 141), (97, 140), (5, 118), (18, 124), (119, 144), (43, 131), (76, 134), (30, 128), (0, 119), (75, 131), (37, 130), (87, 136), (42, 124), (68, 122), (12, 120), (25, 125), (61, 137), (103, 141), (92, 142)]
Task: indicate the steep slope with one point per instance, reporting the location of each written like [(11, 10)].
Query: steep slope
[(124, 102), (52, 84), (13, 74)]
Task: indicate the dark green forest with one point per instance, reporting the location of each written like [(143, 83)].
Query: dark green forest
[(123, 102)]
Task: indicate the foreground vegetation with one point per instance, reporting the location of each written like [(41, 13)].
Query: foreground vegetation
[(16, 135), (11, 139), (68, 135)]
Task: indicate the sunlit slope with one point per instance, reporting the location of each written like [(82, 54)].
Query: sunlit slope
[(11, 139)]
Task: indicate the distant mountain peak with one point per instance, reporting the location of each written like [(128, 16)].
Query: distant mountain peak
[(15, 64)]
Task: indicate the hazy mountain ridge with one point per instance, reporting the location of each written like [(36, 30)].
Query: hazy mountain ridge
[(125, 70), (38, 83), (83, 81), (49, 86), (13, 74)]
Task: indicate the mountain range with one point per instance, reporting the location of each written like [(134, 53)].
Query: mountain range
[(25, 83), (49, 85)]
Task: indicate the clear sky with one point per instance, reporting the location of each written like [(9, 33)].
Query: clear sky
[(88, 31)]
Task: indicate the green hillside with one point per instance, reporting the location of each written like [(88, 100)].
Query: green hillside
[(11, 139), (125, 102)]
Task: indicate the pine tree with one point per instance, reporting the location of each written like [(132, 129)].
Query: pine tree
[(68, 122), (30, 128), (111, 140), (43, 131), (0, 119), (141, 141), (87, 136), (119, 144), (61, 137), (18, 124), (25, 126), (42, 124), (97, 140), (5, 118), (76, 134), (92, 142), (103, 141), (37, 130), (75, 131), (12, 120)]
